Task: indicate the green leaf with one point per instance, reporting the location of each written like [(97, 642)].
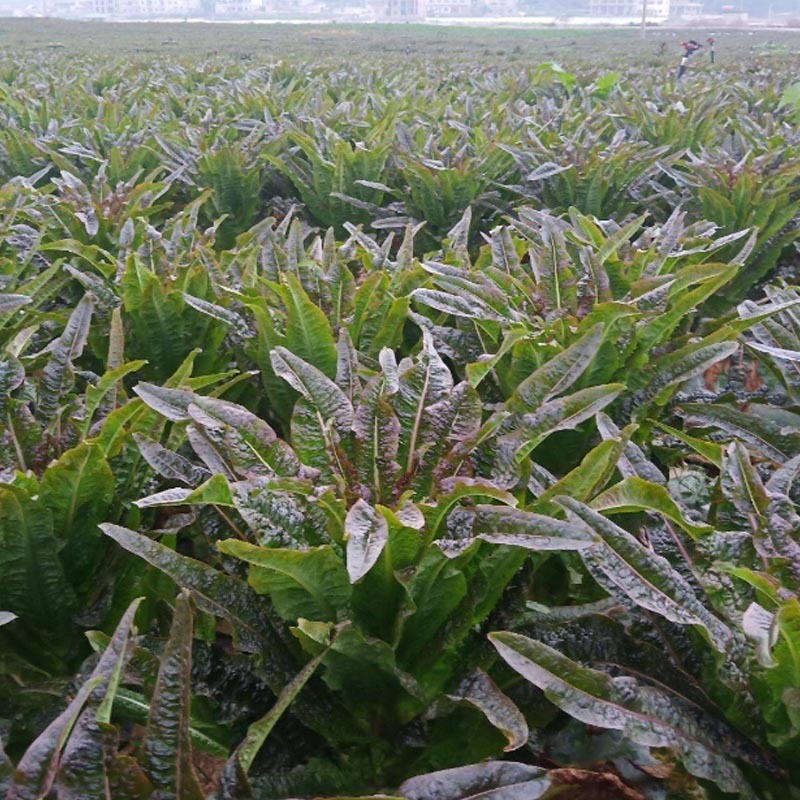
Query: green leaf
[(96, 393), (479, 370), (589, 477), (300, 583), (635, 494), (215, 491), (434, 589), (167, 756), (308, 332), (78, 489), (258, 731), (749, 495), (708, 450), (679, 366), (456, 489), (33, 584)]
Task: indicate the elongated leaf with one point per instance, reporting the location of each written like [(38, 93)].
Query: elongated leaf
[(477, 371), (635, 494), (708, 450), (308, 332), (513, 526), (479, 690), (215, 592), (367, 533), (763, 434), (426, 382), (328, 400), (258, 731), (595, 698), (761, 627), (678, 367), (300, 583), (78, 489), (168, 464), (34, 585), (215, 491), (469, 307), (562, 413), (749, 494), (11, 302), (377, 438), (57, 376), (93, 741), (558, 373), (589, 477), (170, 403), (633, 461), (36, 770), (446, 426), (105, 386), (648, 579), (491, 780), (167, 746)]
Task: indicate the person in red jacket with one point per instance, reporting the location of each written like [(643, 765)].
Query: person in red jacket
[(689, 48)]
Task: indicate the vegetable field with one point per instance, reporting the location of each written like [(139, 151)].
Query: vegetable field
[(398, 412)]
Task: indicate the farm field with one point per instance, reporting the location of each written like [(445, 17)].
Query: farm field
[(399, 412)]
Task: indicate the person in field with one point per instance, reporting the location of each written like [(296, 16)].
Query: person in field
[(689, 48)]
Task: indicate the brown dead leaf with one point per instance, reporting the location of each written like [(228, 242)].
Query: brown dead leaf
[(582, 784), (209, 770), (711, 375), (661, 770)]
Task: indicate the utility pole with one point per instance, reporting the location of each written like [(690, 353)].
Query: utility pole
[(644, 19)]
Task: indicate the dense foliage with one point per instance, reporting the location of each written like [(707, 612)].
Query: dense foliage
[(427, 432)]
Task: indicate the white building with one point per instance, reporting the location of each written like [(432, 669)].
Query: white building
[(657, 10)]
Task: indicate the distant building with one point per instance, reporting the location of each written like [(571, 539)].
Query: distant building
[(399, 9), (657, 10), (143, 8), (501, 8), (448, 8), (683, 9), (238, 8)]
